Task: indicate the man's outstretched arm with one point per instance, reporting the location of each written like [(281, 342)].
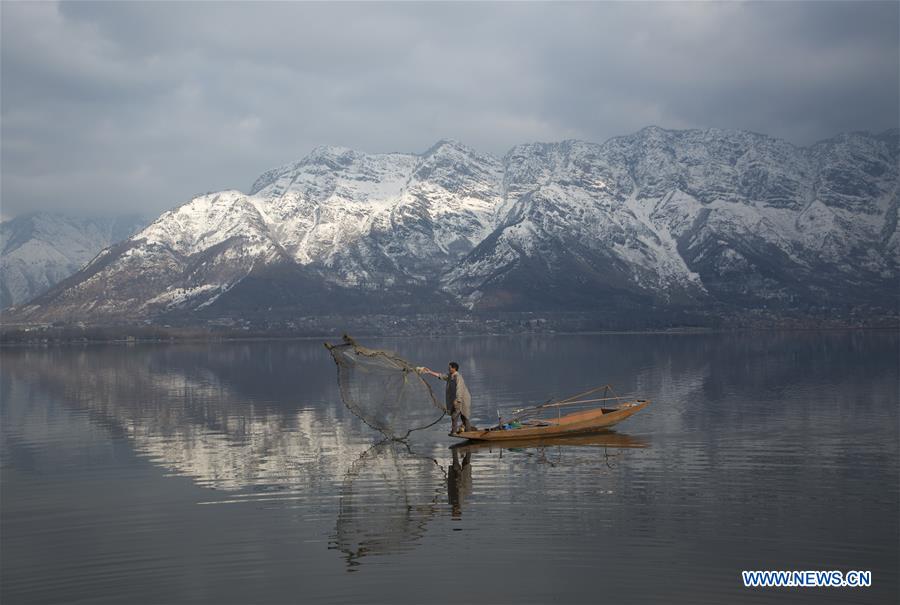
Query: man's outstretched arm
[(424, 370)]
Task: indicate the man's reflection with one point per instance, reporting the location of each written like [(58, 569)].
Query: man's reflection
[(459, 482)]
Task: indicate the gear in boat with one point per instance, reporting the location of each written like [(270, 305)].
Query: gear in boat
[(527, 423)]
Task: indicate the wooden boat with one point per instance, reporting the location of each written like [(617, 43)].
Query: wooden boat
[(602, 439), (586, 421)]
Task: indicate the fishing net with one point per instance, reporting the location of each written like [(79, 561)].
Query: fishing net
[(386, 392), (388, 496)]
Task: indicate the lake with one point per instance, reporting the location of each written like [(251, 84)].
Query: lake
[(233, 473)]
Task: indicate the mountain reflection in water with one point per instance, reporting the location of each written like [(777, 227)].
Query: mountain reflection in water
[(232, 472)]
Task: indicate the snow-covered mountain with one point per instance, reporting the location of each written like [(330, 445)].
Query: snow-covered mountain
[(693, 217), (39, 249), (655, 220)]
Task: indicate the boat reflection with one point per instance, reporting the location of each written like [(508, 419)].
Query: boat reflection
[(579, 449)]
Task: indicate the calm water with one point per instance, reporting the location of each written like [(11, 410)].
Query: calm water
[(233, 473)]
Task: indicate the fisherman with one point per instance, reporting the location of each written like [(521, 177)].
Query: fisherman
[(457, 397)]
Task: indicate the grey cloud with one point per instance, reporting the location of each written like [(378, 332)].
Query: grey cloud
[(139, 106)]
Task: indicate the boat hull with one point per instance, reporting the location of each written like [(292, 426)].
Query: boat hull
[(588, 421)]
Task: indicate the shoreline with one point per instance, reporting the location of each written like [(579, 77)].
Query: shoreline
[(48, 340)]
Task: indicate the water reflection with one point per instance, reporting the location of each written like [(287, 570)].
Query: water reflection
[(459, 482), (190, 416), (561, 450), (387, 498), (277, 425), (600, 439), (391, 493), (760, 451)]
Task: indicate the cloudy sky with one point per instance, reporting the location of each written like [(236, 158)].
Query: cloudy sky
[(119, 107)]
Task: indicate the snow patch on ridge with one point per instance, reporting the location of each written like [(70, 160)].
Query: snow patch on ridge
[(661, 256)]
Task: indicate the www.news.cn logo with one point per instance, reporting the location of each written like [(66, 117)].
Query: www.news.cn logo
[(806, 579)]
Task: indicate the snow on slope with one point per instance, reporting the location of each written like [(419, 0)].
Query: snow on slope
[(365, 221), (675, 217), (40, 249), (673, 212)]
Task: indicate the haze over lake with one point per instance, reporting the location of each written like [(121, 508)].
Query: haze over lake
[(232, 472)]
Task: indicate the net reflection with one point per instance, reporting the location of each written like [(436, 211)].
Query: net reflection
[(387, 498), (392, 492)]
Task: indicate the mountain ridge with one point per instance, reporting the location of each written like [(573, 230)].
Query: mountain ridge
[(38, 249), (658, 219)]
